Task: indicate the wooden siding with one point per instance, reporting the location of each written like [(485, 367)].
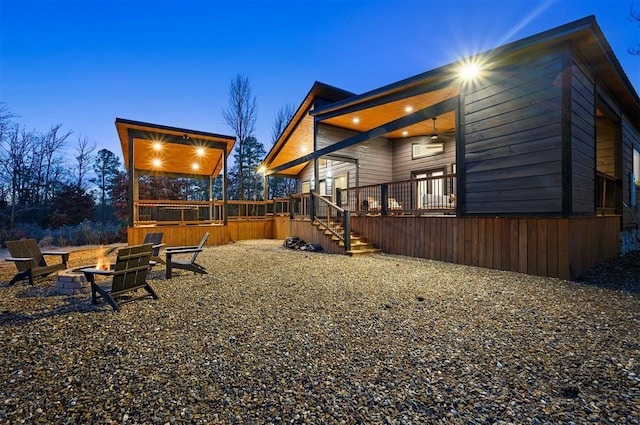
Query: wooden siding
[(583, 141), (374, 157), (310, 234), (404, 166), (512, 136), (630, 140), (218, 234), (556, 247)]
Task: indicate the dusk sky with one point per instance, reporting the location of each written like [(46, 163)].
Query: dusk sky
[(84, 63)]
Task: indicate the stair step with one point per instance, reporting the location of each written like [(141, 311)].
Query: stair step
[(364, 252)]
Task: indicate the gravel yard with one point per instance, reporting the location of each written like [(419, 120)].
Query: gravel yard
[(278, 336)]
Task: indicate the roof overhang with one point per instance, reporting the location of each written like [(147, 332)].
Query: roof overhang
[(296, 139), (164, 150)]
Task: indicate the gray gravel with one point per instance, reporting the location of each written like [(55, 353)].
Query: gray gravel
[(279, 336)]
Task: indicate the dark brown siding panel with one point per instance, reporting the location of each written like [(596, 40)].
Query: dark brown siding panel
[(512, 141), (583, 142), (630, 140)]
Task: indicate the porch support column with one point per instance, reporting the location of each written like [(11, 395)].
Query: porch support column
[(210, 198), (225, 183), (132, 197)]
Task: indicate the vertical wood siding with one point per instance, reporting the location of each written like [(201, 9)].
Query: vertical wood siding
[(630, 140), (512, 137), (583, 141), (556, 247)]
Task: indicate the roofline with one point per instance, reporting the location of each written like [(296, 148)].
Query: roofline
[(554, 34), (317, 89), (162, 128)]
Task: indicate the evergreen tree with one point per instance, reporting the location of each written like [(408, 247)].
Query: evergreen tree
[(106, 168)]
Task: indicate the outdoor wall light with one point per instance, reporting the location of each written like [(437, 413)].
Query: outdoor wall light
[(469, 71)]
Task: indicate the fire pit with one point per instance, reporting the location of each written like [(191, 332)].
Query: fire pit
[(72, 282)]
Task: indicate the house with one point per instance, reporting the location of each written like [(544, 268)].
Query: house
[(525, 158)]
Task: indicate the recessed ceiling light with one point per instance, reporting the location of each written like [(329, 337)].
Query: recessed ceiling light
[(356, 120), (408, 109), (156, 162), (200, 151), (303, 149), (195, 166), (404, 133), (157, 146)]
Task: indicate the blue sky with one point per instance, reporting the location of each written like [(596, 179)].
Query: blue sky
[(84, 63)]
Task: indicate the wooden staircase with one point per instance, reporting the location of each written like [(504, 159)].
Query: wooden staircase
[(359, 245)]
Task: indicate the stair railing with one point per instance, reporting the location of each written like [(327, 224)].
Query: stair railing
[(332, 217)]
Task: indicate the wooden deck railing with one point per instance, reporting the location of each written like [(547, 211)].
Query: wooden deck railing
[(435, 194), (330, 216), (201, 212)]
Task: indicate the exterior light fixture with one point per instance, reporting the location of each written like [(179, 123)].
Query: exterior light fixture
[(156, 162), (200, 151), (469, 71), (262, 169), (405, 133), (356, 120), (157, 146), (408, 109), (195, 166), (434, 135)]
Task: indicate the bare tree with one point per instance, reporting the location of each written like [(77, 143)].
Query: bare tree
[(84, 158), (634, 16), (16, 164), (282, 118), (240, 115), (281, 186), (48, 160)]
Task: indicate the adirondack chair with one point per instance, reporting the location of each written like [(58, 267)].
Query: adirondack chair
[(128, 275), (191, 264), (156, 240), (30, 262)]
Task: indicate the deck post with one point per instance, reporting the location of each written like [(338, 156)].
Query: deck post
[(346, 223), (312, 206), (384, 199)]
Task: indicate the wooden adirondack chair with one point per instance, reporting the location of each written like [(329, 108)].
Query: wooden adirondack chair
[(186, 264), (30, 262), (156, 240), (128, 275)]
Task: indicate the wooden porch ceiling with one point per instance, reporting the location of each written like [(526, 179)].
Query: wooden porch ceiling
[(167, 150), (367, 118), (299, 142)]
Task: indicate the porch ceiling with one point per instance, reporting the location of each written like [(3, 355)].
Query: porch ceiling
[(177, 151), (367, 118)]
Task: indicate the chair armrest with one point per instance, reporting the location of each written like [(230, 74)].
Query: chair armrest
[(91, 270), (180, 248), (183, 251), (18, 259), (160, 245), (55, 253)]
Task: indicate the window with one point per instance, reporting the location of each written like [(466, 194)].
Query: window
[(306, 186), (420, 150), (636, 166)]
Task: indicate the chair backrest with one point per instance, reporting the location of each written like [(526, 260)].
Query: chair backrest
[(131, 268), (26, 248), (200, 245), (153, 238)]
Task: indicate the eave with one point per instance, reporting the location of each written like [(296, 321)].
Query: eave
[(180, 149)]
